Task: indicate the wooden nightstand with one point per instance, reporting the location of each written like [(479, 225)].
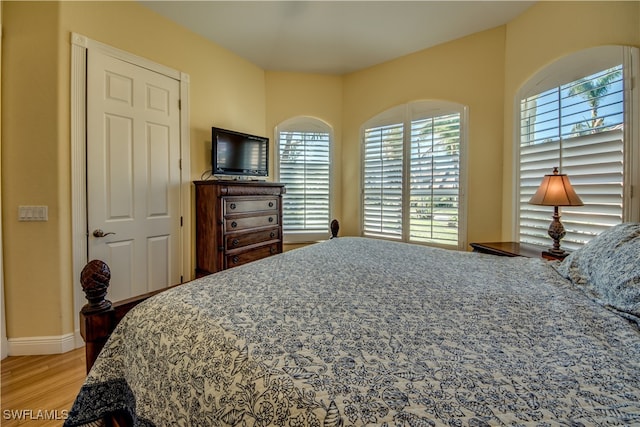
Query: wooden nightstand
[(515, 249)]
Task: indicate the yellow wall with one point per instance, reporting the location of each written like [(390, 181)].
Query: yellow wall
[(543, 34), (468, 71), (36, 269), (482, 71), (225, 90), (3, 328), (313, 95)]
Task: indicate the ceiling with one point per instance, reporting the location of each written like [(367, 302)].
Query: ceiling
[(333, 37)]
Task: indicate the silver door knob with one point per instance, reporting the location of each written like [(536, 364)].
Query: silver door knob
[(99, 233)]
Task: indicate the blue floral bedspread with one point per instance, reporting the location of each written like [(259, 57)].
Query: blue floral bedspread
[(354, 331)]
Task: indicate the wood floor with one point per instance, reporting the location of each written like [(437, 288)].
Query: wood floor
[(39, 390)]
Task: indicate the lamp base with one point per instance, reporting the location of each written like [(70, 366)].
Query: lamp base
[(557, 252), (554, 256), (556, 232)]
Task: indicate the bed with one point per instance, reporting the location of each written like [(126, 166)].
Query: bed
[(355, 331)]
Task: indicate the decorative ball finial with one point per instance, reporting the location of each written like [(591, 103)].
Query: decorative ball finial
[(95, 277), (335, 226)]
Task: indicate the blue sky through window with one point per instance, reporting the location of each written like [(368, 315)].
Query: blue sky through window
[(557, 113)]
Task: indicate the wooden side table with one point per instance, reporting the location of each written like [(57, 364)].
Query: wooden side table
[(513, 249)]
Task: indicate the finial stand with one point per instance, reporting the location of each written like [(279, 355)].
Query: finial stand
[(94, 278)]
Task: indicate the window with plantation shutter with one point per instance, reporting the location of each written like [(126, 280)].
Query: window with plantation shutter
[(583, 127), (304, 147), (435, 179), (412, 175), (383, 171)]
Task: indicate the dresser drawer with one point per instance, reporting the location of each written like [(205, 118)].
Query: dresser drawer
[(235, 206), (251, 255), (246, 239), (244, 223)]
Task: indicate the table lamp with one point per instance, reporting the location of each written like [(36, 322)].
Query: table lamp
[(556, 190)]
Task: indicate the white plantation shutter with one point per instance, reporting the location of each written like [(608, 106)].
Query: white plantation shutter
[(435, 179), (411, 174), (383, 179), (594, 164), (581, 132), (304, 168)]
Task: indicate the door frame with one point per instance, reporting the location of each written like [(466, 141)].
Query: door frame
[(80, 45)]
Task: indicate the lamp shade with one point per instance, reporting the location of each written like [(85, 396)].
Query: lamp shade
[(556, 190)]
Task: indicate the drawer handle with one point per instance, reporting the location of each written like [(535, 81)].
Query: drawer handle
[(273, 250), (270, 219), (270, 204), (232, 206), (235, 242), (235, 259), (272, 234), (234, 224)]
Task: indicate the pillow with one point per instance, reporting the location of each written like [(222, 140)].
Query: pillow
[(608, 268)]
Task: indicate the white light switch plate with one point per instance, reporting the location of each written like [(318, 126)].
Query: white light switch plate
[(33, 213)]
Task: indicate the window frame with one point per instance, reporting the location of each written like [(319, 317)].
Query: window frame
[(405, 114), (315, 125), (572, 67)]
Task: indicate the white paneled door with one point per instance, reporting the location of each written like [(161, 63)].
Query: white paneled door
[(133, 174)]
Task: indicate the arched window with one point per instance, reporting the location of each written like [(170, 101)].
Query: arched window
[(413, 178), (303, 147), (577, 114)]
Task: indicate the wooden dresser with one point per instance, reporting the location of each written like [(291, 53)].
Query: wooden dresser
[(236, 222)]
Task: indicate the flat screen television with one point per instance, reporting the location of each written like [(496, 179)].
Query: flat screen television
[(241, 154)]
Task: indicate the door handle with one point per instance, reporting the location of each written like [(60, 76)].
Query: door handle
[(99, 233)]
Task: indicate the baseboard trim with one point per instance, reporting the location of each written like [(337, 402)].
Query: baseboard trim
[(79, 341), (33, 346)]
